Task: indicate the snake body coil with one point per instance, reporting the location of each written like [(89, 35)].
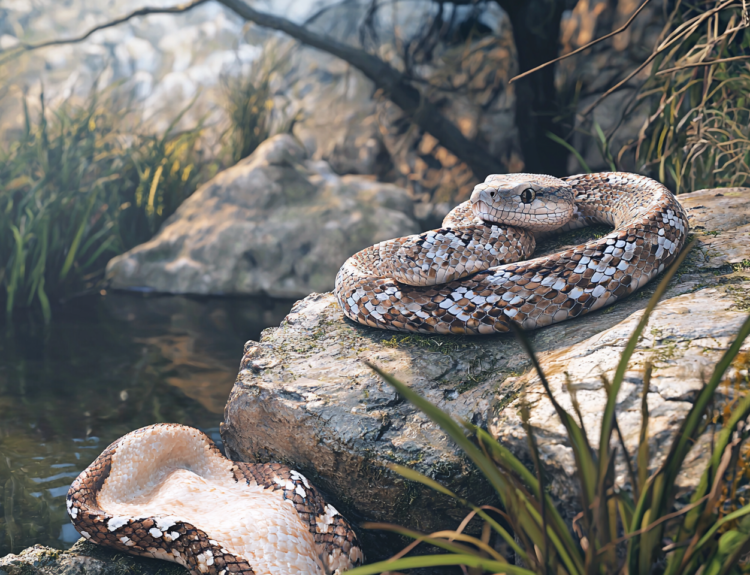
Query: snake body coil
[(166, 492), (464, 279)]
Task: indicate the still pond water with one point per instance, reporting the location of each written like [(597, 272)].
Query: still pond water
[(105, 366)]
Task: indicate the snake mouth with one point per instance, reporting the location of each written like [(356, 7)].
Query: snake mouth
[(480, 209)]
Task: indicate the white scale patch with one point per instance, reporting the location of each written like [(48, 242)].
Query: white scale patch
[(164, 523), (575, 293), (296, 474), (116, 522)]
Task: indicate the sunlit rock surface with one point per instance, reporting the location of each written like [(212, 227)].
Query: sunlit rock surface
[(276, 223), (305, 396)]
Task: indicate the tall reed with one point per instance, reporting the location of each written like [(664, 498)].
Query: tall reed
[(697, 133), (80, 184)]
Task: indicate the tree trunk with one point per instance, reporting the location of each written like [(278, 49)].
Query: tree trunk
[(536, 32)]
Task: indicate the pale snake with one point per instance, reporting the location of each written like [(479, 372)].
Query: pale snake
[(166, 492)]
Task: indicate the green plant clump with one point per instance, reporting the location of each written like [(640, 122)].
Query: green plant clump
[(255, 110), (81, 184), (697, 134), (637, 531)]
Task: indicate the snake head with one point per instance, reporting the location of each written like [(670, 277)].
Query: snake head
[(534, 202)]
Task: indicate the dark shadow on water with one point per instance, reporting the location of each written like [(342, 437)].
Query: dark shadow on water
[(105, 366)]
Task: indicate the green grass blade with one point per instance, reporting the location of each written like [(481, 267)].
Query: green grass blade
[(585, 465), (501, 484), (662, 484), (44, 302), (431, 539), (742, 512), (17, 271), (622, 366), (445, 540), (451, 428), (424, 561), (513, 466), (412, 475), (545, 559), (643, 452), (688, 526), (684, 440), (107, 245), (73, 250), (604, 146), (625, 507), (737, 548), (571, 149)]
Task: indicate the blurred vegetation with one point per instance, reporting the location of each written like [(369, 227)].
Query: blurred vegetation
[(256, 111), (645, 527), (85, 182), (247, 101), (81, 184), (697, 134)]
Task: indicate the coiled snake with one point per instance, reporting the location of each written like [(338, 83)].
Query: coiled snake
[(463, 278), (166, 492)]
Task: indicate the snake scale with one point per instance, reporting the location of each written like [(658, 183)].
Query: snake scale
[(166, 492), (469, 278)]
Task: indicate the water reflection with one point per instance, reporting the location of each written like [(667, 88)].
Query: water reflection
[(106, 366)]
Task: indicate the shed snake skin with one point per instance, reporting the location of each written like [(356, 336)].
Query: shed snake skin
[(166, 492), (469, 278)]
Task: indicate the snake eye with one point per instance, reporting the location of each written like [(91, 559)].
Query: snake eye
[(528, 195)]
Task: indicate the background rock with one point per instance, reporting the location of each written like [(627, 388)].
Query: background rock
[(276, 223), (83, 559), (304, 396)]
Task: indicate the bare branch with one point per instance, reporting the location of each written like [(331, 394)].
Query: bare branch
[(421, 111), (140, 12), (393, 83), (585, 47)]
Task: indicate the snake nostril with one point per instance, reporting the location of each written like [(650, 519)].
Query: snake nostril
[(492, 194)]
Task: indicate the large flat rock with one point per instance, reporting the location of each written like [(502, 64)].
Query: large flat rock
[(304, 395), (277, 223)]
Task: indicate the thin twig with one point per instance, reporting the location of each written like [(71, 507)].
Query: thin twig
[(683, 30), (23, 47), (650, 526), (699, 64), (585, 47)]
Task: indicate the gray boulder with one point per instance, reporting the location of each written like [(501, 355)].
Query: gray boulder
[(276, 223), (304, 395)]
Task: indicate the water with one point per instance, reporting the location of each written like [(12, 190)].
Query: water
[(107, 365)]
